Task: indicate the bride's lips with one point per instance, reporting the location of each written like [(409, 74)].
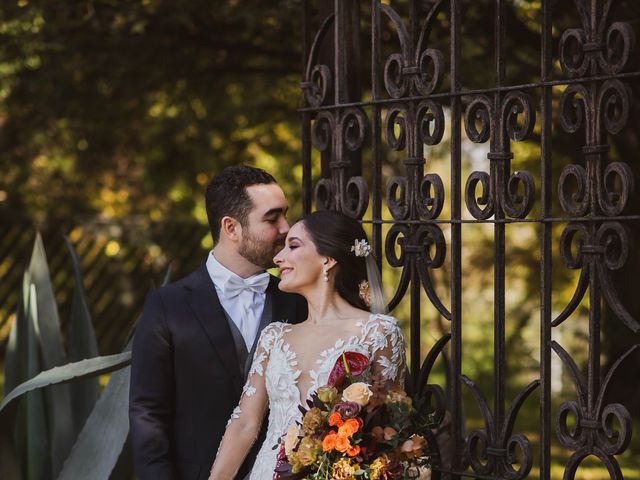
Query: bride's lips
[(284, 271)]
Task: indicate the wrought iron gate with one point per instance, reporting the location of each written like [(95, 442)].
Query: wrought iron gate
[(583, 80)]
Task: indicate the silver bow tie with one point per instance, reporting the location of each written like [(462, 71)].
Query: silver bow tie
[(236, 285)]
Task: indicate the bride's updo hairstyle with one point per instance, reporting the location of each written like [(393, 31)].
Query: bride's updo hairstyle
[(334, 233)]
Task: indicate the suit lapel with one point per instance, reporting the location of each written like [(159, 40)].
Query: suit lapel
[(207, 309)]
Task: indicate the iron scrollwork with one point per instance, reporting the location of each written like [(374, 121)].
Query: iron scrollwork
[(415, 70), (340, 132), (407, 103), (512, 193), (337, 133), (597, 247), (496, 449)]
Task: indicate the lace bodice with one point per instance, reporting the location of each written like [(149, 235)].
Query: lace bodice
[(275, 378)]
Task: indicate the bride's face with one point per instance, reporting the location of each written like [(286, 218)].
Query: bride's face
[(299, 262)]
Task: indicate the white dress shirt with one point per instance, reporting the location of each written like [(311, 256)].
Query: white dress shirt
[(244, 308)]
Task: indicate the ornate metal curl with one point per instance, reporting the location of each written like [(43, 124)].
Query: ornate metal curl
[(605, 250), (338, 133), (609, 48), (421, 249), (599, 48), (513, 193), (317, 81), (416, 125), (493, 451), (592, 430), (414, 71)]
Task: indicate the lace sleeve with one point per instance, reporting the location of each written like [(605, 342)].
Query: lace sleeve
[(244, 425), (387, 350)]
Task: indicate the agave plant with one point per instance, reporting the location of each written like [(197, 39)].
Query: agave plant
[(53, 424)]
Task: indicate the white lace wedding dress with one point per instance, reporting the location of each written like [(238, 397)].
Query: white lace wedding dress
[(275, 377)]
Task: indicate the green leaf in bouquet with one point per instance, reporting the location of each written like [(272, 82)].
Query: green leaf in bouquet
[(58, 404), (82, 344)]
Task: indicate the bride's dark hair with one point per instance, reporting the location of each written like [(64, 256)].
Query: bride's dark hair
[(333, 234)]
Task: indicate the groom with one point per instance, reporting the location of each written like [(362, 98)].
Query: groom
[(193, 346)]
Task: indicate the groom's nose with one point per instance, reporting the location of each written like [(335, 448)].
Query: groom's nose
[(283, 226)]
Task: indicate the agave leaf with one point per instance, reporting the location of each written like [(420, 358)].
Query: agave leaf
[(23, 432), (82, 344), (98, 447), (48, 320), (58, 400), (16, 357), (37, 461), (167, 276), (90, 367)]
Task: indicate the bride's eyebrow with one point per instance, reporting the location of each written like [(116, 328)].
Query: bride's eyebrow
[(290, 239)]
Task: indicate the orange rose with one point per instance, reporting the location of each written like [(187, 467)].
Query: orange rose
[(349, 427), (329, 442), (335, 419), (342, 443), (353, 451)]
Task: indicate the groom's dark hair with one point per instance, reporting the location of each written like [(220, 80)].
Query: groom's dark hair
[(227, 195)]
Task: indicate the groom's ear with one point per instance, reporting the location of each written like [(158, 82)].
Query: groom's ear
[(230, 228)]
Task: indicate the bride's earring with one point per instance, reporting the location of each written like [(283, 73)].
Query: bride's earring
[(325, 274)]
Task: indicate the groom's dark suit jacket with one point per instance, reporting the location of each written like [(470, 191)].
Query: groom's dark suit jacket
[(186, 378)]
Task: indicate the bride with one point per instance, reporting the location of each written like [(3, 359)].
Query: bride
[(326, 259)]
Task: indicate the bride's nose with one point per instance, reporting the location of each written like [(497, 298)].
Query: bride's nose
[(279, 257)]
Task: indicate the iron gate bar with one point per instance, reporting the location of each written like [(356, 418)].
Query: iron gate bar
[(593, 81), (475, 92)]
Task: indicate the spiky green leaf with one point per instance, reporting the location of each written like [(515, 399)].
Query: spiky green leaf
[(67, 373), (82, 344), (98, 447), (58, 399)]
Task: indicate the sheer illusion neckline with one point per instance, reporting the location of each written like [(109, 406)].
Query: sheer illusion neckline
[(323, 356)]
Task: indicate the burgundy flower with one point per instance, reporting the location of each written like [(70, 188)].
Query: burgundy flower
[(346, 409), (348, 364), (392, 471)]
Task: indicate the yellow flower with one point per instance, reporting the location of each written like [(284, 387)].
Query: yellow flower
[(343, 469), (313, 421), (308, 451), (376, 468), (358, 392), (328, 394)]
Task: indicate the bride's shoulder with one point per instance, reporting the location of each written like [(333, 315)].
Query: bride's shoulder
[(276, 327), (272, 331), (386, 323), (383, 319)]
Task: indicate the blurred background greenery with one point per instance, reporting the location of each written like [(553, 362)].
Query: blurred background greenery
[(114, 114)]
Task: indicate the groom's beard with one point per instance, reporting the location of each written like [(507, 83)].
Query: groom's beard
[(258, 251)]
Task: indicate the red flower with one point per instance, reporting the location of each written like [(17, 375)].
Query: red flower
[(348, 364)]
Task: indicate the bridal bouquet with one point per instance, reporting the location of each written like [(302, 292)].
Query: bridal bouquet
[(355, 430)]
